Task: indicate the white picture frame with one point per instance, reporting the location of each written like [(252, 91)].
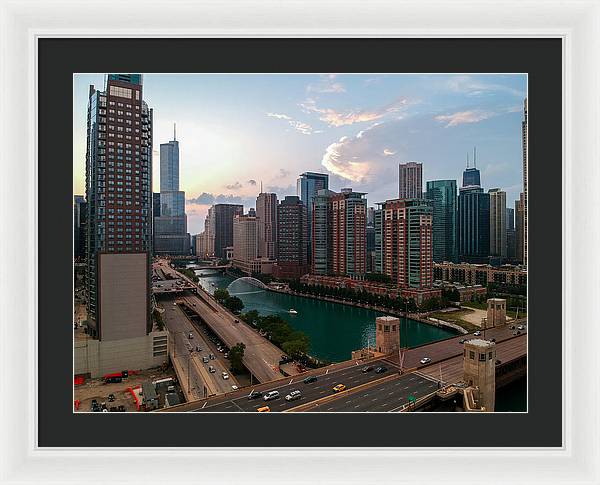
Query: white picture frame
[(577, 23)]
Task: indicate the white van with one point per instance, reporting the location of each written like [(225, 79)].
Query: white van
[(271, 395)]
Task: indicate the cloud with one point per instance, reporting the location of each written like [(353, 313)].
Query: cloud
[(235, 186), (477, 87), (251, 182), (206, 198), (326, 84), (336, 161), (283, 173), (303, 128), (281, 191), (462, 117), (387, 152), (337, 118)]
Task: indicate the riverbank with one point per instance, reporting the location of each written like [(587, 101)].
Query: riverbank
[(420, 317)]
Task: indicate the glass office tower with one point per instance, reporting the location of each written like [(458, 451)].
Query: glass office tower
[(443, 195)]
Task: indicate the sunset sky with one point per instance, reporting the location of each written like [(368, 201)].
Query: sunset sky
[(235, 131)]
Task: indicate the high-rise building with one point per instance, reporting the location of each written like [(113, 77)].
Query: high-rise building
[(444, 198), (209, 232), (266, 216), (410, 180), (79, 226), (371, 216), (156, 204), (405, 245), (511, 237), (292, 239), (471, 175), (473, 225), (221, 221), (497, 223), (170, 227), (308, 184), (519, 228), (339, 225), (524, 142), (119, 196), (245, 240)]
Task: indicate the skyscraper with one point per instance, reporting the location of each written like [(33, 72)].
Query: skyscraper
[(524, 142), (308, 184), (155, 204), (443, 196), (519, 228), (245, 242), (222, 226), (119, 195), (266, 218), (511, 237), (410, 180), (170, 227), (292, 230), (498, 223), (339, 225), (405, 246), (471, 175), (473, 225)]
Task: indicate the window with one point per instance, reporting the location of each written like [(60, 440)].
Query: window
[(472, 355), (481, 357), (491, 355), (121, 92)]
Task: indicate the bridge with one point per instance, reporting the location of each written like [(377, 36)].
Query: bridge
[(399, 388), (250, 280), (261, 357)]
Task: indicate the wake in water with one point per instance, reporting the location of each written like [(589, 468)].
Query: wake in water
[(246, 292)]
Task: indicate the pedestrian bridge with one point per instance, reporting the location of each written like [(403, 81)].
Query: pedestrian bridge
[(250, 280)]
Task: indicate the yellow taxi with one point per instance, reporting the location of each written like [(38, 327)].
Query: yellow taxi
[(339, 388), (264, 409)]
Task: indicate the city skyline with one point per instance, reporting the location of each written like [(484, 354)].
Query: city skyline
[(238, 130)]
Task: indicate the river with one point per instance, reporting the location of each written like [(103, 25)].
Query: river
[(335, 330)]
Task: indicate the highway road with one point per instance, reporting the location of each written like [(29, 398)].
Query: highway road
[(261, 357), (179, 327)]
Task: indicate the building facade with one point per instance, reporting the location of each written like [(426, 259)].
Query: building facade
[(170, 227), (444, 198), (520, 228), (406, 242), (480, 274), (266, 217), (79, 226), (245, 241), (221, 226), (292, 239), (524, 198), (322, 233), (410, 180), (511, 237), (308, 185), (119, 213), (473, 225), (498, 246)]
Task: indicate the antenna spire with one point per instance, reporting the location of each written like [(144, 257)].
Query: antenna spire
[(261, 187), (174, 131), (467, 159), (475, 157)]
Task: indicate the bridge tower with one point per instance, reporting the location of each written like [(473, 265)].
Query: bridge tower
[(387, 334), (496, 312), (479, 366)]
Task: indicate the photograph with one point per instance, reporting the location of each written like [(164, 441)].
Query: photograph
[(300, 242)]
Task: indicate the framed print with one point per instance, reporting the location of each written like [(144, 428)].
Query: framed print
[(371, 236)]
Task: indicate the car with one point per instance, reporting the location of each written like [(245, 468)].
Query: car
[(264, 409), (271, 395), (234, 388), (225, 375), (477, 334), (121, 408), (236, 321), (380, 370), (254, 395), (310, 379), (198, 348), (339, 388), (366, 369), (205, 360), (226, 355), (492, 340), (211, 356), (94, 402), (105, 410), (191, 335), (111, 398), (462, 341), (425, 360), (520, 327), (512, 327), (211, 369), (292, 396)]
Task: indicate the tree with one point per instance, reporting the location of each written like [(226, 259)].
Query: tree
[(251, 318), (236, 355), (296, 348), (221, 295), (234, 304)]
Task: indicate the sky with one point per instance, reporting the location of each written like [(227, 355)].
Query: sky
[(238, 130)]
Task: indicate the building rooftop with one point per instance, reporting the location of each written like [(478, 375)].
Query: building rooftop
[(388, 318), (477, 342)]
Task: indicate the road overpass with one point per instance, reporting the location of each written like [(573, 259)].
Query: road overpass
[(368, 391)]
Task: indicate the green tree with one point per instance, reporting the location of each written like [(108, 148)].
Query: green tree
[(251, 318), (296, 348), (236, 356), (234, 304), (221, 295)]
